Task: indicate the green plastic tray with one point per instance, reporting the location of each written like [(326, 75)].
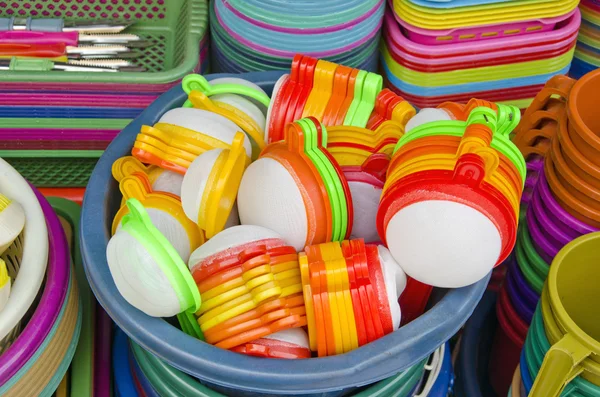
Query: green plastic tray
[(53, 168), (175, 27)]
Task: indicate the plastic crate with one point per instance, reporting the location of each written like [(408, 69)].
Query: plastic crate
[(175, 27)]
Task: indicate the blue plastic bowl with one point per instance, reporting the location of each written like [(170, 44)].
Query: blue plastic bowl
[(245, 375), (475, 347)]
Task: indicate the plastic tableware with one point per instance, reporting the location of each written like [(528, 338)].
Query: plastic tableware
[(210, 187), (26, 267), (124, 383), (196, 82), (12, 221), (138, 250), (160, 179), (388, 356), (416, 209), (523, 308), (4, 285), (165, 212), (582, 121)]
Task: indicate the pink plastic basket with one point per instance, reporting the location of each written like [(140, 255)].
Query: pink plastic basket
[(480, 33), (475, 53)]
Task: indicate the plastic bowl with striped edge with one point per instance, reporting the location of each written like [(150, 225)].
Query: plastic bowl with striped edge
[(38, 359), (26, 258)]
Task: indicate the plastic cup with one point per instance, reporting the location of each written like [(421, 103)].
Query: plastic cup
[(570, 289)]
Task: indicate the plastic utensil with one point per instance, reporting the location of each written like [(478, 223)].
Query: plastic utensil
[(175, 292)]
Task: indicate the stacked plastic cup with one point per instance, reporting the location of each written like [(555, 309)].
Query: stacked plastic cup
[(436, 51), (261, 35), (557, 138), (587, 53), (563, 344)]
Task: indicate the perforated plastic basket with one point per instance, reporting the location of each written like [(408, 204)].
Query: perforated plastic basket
[(175, 27)]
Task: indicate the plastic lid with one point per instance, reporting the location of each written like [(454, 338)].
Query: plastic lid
[(196, 82)]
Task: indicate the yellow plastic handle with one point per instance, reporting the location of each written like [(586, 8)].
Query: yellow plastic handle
[(562, 363)]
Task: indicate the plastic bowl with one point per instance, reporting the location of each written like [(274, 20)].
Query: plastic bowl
[(383, 358), (32, 261)]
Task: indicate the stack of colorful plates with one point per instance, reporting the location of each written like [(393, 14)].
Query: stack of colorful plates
[(587, 54), (453, 51), (258, 35)]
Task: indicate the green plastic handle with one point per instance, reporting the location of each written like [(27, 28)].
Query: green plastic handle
[(196, 82)]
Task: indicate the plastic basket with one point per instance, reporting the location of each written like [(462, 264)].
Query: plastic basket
[(36, 362), (239, 374), (175, 27), (26, 258)]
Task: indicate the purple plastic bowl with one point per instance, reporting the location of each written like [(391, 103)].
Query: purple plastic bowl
[(559, 214), (55, 292), (559, 232), (519, 296), (544, 247), (102, 355)]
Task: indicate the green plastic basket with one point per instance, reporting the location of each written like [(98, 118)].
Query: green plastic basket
[(53, 168), (175, 27)]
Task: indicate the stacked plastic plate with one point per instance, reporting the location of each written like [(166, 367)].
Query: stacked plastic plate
[(587, 54), (265, 35), (556, 136), (54, 125), (460, 49)]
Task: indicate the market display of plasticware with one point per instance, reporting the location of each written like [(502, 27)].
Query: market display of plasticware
[(39, 357), (243, 33), (564, 301), (197, 358), (26, 258)]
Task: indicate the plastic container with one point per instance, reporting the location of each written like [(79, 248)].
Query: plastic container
[(569, 289), (461, 55), (38, 359), (26, 258), (241, 374), (472, 378), (175, 28), (82, 367)]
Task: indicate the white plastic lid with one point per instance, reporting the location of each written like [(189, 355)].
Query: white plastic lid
[(269, 197), (365, 201), (229, 238), (295, 336), (237, 80), (427, 115), (395, 283), (443, 243), (194, 182), (244, 105), (138, 277), (168, 181), (206, 122)]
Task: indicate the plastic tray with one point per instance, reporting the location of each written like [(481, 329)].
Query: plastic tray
[(469, 54), (254, 376), (175, 27)]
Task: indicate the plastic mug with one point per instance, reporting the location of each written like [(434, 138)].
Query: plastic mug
[(571, 287)]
